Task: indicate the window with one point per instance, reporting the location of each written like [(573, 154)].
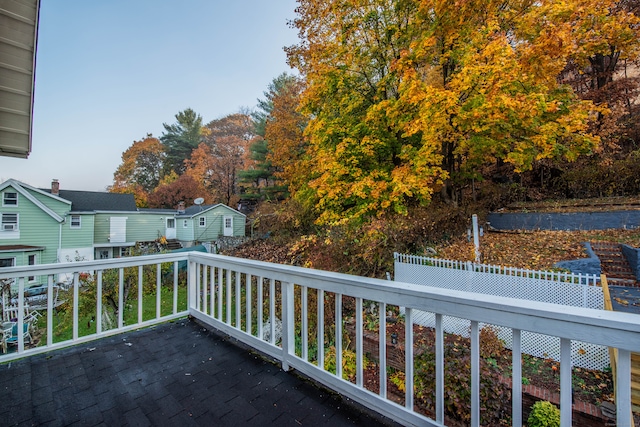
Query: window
[(75, 221), (124, 251), (103, 253), (203, 221), (171, 223), (228, 223), (9, 222), (7, 262), (185, 224), (32, 261), (10, 198)]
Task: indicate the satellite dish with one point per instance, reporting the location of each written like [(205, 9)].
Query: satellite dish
[(199, 201)]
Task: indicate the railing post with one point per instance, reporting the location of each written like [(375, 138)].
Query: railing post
[(191, 284), (475, 374), (288, 324), (566, 409), (623, 388), (516, 378)]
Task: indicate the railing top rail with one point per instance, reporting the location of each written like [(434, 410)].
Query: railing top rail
[(103, 264), (576, 323)]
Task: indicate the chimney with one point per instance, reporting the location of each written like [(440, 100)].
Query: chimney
[(55, 187), (181, 206)]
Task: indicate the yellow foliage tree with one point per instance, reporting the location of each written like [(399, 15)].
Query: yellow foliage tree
[(410, 97)]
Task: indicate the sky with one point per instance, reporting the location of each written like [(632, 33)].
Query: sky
[(109, 72)]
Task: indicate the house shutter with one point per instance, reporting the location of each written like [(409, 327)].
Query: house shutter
[(118, 230)]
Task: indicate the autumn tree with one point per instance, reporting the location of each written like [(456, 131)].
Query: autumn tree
[(181, 138), (346, 57), (221, 156), (167, 196), (284, 132), (608, 74), (260, 174), (140, 170), (407, 98)]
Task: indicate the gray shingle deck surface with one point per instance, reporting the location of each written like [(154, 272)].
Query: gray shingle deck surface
[(174, 374)]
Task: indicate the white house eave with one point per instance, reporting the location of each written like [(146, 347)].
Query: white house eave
[(18, 42), (127, 213), (222, 205), (113, 244)]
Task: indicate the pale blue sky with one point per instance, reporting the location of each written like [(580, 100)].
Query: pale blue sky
[(110, 71)]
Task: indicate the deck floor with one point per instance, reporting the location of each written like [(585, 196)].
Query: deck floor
[(173, 374)]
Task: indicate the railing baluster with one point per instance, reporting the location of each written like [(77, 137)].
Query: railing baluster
[(120, 299), (320, 302), (565, 382), (272, 311), (237, 299), (228, 297), (408, 360), (305, 323), (175, 287), (382, 340), (99, 303), (338, 334), (212, 300), (158, 291), (220, 286), (288, 323), (439, 338), (205, 289), (49, 309), (359, 373), (198, 286), (260, 314), (76, 297), (140, 285), (20, 326), (247, 302)]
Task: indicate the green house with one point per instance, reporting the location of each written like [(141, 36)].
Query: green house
[(198, 224), (41, 226)]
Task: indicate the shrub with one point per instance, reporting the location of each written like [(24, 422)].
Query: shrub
[(544, 414), (457, 373), (348, 363)]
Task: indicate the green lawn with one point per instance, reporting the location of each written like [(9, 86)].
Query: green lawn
[(63, 318)]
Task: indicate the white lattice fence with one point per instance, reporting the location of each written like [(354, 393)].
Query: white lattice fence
[(552, 287)]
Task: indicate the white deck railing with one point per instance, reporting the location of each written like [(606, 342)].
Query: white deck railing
[(267, 306)]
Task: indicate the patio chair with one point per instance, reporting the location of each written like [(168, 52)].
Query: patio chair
[(26, 334)]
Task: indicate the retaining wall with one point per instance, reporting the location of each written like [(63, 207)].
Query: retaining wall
[(572, 221)]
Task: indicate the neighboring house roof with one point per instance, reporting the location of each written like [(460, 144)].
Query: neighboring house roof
[(192, 211), (90, 201)]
